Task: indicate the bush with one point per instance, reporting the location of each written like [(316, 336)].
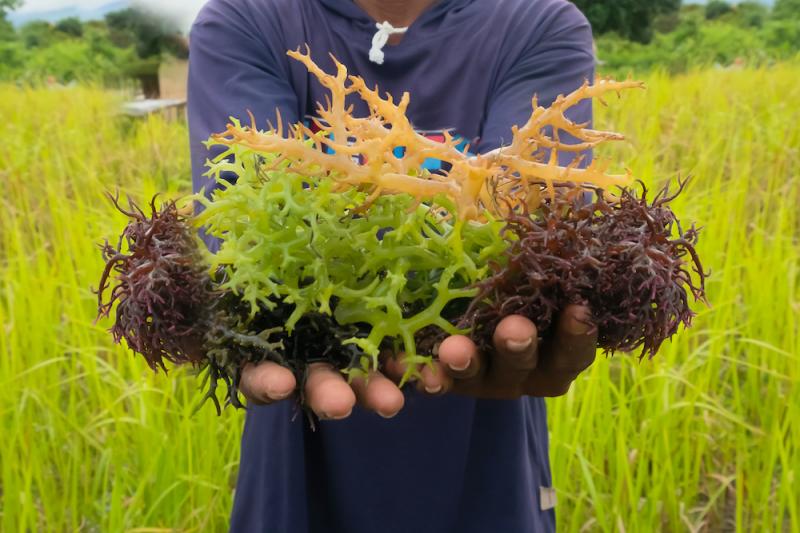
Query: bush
[(38, 34), (76, 60), (782, 37), (70, 26), (717, 8), (786, 10), (751, 14), (12, 59), (694, 43)]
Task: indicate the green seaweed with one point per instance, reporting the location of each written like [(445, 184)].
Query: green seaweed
[(293, 239)]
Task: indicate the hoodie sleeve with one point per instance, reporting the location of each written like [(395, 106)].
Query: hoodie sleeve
[(555, 57), (234, 68)]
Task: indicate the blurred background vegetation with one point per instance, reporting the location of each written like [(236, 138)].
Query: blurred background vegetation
[(677, 39), (125, 48), (130, 45)]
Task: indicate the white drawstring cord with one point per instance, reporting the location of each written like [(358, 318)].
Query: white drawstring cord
[(379, 40)]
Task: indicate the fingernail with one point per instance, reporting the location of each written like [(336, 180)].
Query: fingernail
[(519, 346), (340, 417), (275, 396), (460, 368), (434, 390), (388, 416)]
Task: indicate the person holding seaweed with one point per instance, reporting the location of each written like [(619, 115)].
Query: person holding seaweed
[(466, 450)]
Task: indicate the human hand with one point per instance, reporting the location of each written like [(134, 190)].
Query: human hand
[(520, 366), (327, 393)]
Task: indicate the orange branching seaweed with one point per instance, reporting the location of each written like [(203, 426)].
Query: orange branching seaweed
[(514, 174)]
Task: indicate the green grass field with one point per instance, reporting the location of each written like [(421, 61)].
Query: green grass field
[(704, 437)]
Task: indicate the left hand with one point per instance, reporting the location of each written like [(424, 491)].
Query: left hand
[(520, 366)]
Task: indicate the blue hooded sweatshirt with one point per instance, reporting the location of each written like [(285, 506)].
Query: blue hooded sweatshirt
[(444, 464)]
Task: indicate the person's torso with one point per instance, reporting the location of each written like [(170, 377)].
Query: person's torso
[(449, 464), (449, 91)]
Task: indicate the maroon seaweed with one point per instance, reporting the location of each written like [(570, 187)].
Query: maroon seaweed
[(628, 260), (169, 309), (161, 289)]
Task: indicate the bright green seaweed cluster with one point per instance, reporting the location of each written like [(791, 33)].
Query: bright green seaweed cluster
[(293, 239)]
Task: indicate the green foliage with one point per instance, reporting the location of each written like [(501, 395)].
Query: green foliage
[(91, 59), (786, 9), (7, 32), (149, 34), (743, 35), (129, 43), (632, 19), (8, 5), (37, 34), (71, 50), (751, 14), (783, 37), (294, 239), (41, 34), (667, 22), (12, 59), (717, 8), (71, 26), (681, 50)]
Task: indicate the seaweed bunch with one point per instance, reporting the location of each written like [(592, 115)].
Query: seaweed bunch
[(628, 259), (167, 307), (293, 239), (305, 222), (334, 247), (157, 279)]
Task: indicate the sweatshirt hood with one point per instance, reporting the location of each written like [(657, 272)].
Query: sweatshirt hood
[(431, 18)]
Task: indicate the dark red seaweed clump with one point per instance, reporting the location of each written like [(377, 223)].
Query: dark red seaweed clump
[(629, 261), (161, 287), (168, 308)]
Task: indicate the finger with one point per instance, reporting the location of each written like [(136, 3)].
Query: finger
[(516, 342), (395, 367), (327, 393), (266, 382), (459, 357), (569, 352), (435, 379), (378, 394), (572, 348)]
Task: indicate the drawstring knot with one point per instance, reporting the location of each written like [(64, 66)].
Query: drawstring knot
[(379, 40)]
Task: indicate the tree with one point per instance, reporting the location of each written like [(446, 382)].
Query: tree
[(751, 14), (717, 8), (632, 19), (786, 9), (6, 29), (150, 36), (8, 5), (71, 26), (37, 34)]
